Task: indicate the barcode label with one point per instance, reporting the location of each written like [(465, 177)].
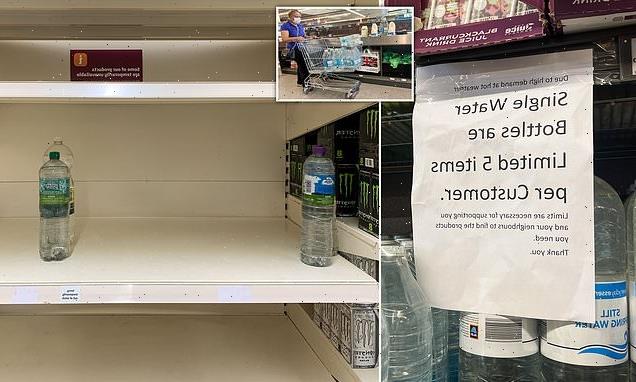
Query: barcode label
[(498, 336), (503, 329)]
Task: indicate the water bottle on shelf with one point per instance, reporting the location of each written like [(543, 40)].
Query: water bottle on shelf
[(384, 350), (498, 348), (630, 222), (581, 352), (391, 29), (319, 209), (453, 345), (409, 323), (55, 237), (66, 156), (384, 27)]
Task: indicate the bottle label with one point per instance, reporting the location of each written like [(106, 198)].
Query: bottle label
[(632, 320), (54, 197), (319, 190), (599, 343), (71, 209), (496, 336), (54, 191)]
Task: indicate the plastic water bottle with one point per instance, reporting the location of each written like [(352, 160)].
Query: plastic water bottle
[(576, 351), (453, 345), (498, 348), (339, 58), (440, 345), (440, 319), (325, 58), (409, 322), (66, 156), (384, 350), (319, 209), (55, 183), (382, 26), (630, 213)]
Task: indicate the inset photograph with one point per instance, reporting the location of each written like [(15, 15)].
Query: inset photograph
[(340, 53)]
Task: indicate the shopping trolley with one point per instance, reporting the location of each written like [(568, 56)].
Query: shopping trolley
[(325, 57)]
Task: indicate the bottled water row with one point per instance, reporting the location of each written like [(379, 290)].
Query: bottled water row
[(345, 58), (427, 344)]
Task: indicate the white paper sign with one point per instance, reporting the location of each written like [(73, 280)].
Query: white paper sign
[(503, 186)]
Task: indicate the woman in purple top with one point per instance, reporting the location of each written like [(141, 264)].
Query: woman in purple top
[(292, 32)]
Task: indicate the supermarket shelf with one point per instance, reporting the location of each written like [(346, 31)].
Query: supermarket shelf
[(353, 240), (135, 91), (349, 238), (324, 349), (157, 348), (403, 39), (174, 260)]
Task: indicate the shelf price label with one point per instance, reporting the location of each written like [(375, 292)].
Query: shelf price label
[(70, 295), (502, 197), (107, 65)]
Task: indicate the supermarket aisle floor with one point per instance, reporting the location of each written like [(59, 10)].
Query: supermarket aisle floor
[(289, 90)]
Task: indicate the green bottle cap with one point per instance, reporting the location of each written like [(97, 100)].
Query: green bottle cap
[(54, 155)]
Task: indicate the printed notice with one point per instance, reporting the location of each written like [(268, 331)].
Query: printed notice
[(110, 65), (503, 186), (70, 295)]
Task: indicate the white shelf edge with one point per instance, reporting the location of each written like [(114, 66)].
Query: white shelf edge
[(354, 240), (328, 355), (350, 239), (170, 91), (128, 277), (221, 293)]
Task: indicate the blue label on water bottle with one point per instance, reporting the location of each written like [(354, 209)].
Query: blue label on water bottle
[(319, 189)]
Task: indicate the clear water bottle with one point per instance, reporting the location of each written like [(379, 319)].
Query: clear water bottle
[(440, 344), (384, 350), (319, 209), (440, 319), (55, 193), (66, 156), (581, 352), (383, 28), (408, 316), (630, 213), (453, 345), (325, 58), (498, 348), (338, 58)]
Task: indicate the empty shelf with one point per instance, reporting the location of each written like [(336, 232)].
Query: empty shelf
[(174, 260)]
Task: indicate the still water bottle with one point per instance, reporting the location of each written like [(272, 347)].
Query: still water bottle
[(498, 348), (319, 209), (408, 318), (55, 238), (598, 351), (66, 156), (440, 320), (630, 213), (453, 345)]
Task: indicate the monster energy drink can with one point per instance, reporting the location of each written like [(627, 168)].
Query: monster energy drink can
[(369, 138), (359, 335), (346, 190)]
